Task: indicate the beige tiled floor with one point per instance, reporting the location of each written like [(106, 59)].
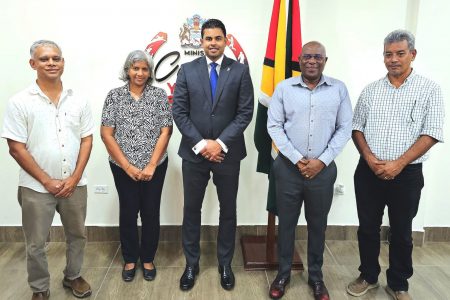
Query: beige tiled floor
[(103, 264)]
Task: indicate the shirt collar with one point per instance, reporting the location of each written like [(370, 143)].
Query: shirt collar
[(323, 80), (34, 89), (407, 79), (219, 61)]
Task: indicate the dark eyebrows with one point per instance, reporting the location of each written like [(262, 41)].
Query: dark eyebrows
[(218, 37)]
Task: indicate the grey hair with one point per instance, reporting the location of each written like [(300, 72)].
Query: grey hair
[(135, 56), (400, 35), (41, 43)]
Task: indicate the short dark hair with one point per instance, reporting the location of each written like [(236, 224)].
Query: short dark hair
[(214, 23)]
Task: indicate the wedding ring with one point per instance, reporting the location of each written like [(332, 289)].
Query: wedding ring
[(307, 176)]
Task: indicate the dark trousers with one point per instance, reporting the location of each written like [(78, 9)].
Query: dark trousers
[(401, 195), (195, 180), (292, 189), (143, 197)]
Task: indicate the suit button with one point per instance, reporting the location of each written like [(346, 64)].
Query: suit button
[(213, 115)]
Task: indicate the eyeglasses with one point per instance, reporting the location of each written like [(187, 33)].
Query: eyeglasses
[(317, 57)]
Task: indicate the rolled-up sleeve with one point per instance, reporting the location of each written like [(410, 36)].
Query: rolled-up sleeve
[(434, 119), (87, 122), (361, 111), (14, 124)]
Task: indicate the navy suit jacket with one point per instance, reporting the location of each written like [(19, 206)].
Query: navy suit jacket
[(198, 117)]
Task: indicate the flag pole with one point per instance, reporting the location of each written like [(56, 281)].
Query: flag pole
[(280, 62)]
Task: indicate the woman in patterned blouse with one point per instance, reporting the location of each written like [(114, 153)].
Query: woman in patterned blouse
[(136, 128)]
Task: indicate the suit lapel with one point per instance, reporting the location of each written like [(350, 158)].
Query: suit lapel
[(203, 76), (223, 77)]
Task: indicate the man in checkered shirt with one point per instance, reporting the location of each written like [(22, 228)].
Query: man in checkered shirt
[(397, 120)]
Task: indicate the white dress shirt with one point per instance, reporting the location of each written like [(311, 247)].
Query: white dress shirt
[(52, 134)]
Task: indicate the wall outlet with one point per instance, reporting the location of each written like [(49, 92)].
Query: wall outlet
[(339, 189), (101, 189)]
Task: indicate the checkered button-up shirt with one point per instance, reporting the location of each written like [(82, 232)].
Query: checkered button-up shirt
[(392, 119)]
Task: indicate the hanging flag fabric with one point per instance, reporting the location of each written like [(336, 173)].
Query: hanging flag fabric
[(280, 62)]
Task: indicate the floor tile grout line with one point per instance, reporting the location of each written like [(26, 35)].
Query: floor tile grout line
[(331, 254), (107, 272), (267, 279)]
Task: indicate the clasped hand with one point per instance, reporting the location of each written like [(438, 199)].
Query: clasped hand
[(212, 151), (61, 188), (145, 174), (309, 168), (385, 170)]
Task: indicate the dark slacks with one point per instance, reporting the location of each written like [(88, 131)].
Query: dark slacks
[(292, 189), (195, 180), (401, 195), (143, 197)]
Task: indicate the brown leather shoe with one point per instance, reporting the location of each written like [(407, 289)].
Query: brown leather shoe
[(398, 295), (278, 287), (360, 286), (80, 288), (319, 290), (41, 295)]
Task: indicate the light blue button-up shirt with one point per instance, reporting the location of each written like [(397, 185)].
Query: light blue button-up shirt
[(305, 123)]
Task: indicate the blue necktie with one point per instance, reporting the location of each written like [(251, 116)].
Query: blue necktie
[(213, 76)]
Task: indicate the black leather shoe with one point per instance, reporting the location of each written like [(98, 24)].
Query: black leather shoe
[(226, 277), (278, 287), (319, 290), (149, 274), (187, 280), (128, 275)]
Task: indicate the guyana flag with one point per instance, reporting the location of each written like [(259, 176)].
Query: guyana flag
[(280, 62)]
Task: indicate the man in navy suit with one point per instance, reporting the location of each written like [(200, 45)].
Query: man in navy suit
[(213, 104)]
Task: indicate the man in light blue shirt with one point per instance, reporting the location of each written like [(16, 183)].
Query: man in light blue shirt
[(309, 120)]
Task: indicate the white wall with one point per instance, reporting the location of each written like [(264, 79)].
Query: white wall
[(96, 36)]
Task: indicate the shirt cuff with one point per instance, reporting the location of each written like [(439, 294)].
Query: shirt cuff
[(224, 147), (199, 147), (357, 127), (294, 157), (434, 133), (326, 159)]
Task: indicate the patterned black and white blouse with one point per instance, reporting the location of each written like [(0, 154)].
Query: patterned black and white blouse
[(137, 123)]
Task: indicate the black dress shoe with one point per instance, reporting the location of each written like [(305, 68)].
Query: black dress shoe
[(278, 287), (128, 275), (226, 277), (149, 274), (187, 280), (319, 290)]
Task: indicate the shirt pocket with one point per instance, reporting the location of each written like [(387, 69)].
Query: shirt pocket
[(415, 118), (327, 109), (73, 119)]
